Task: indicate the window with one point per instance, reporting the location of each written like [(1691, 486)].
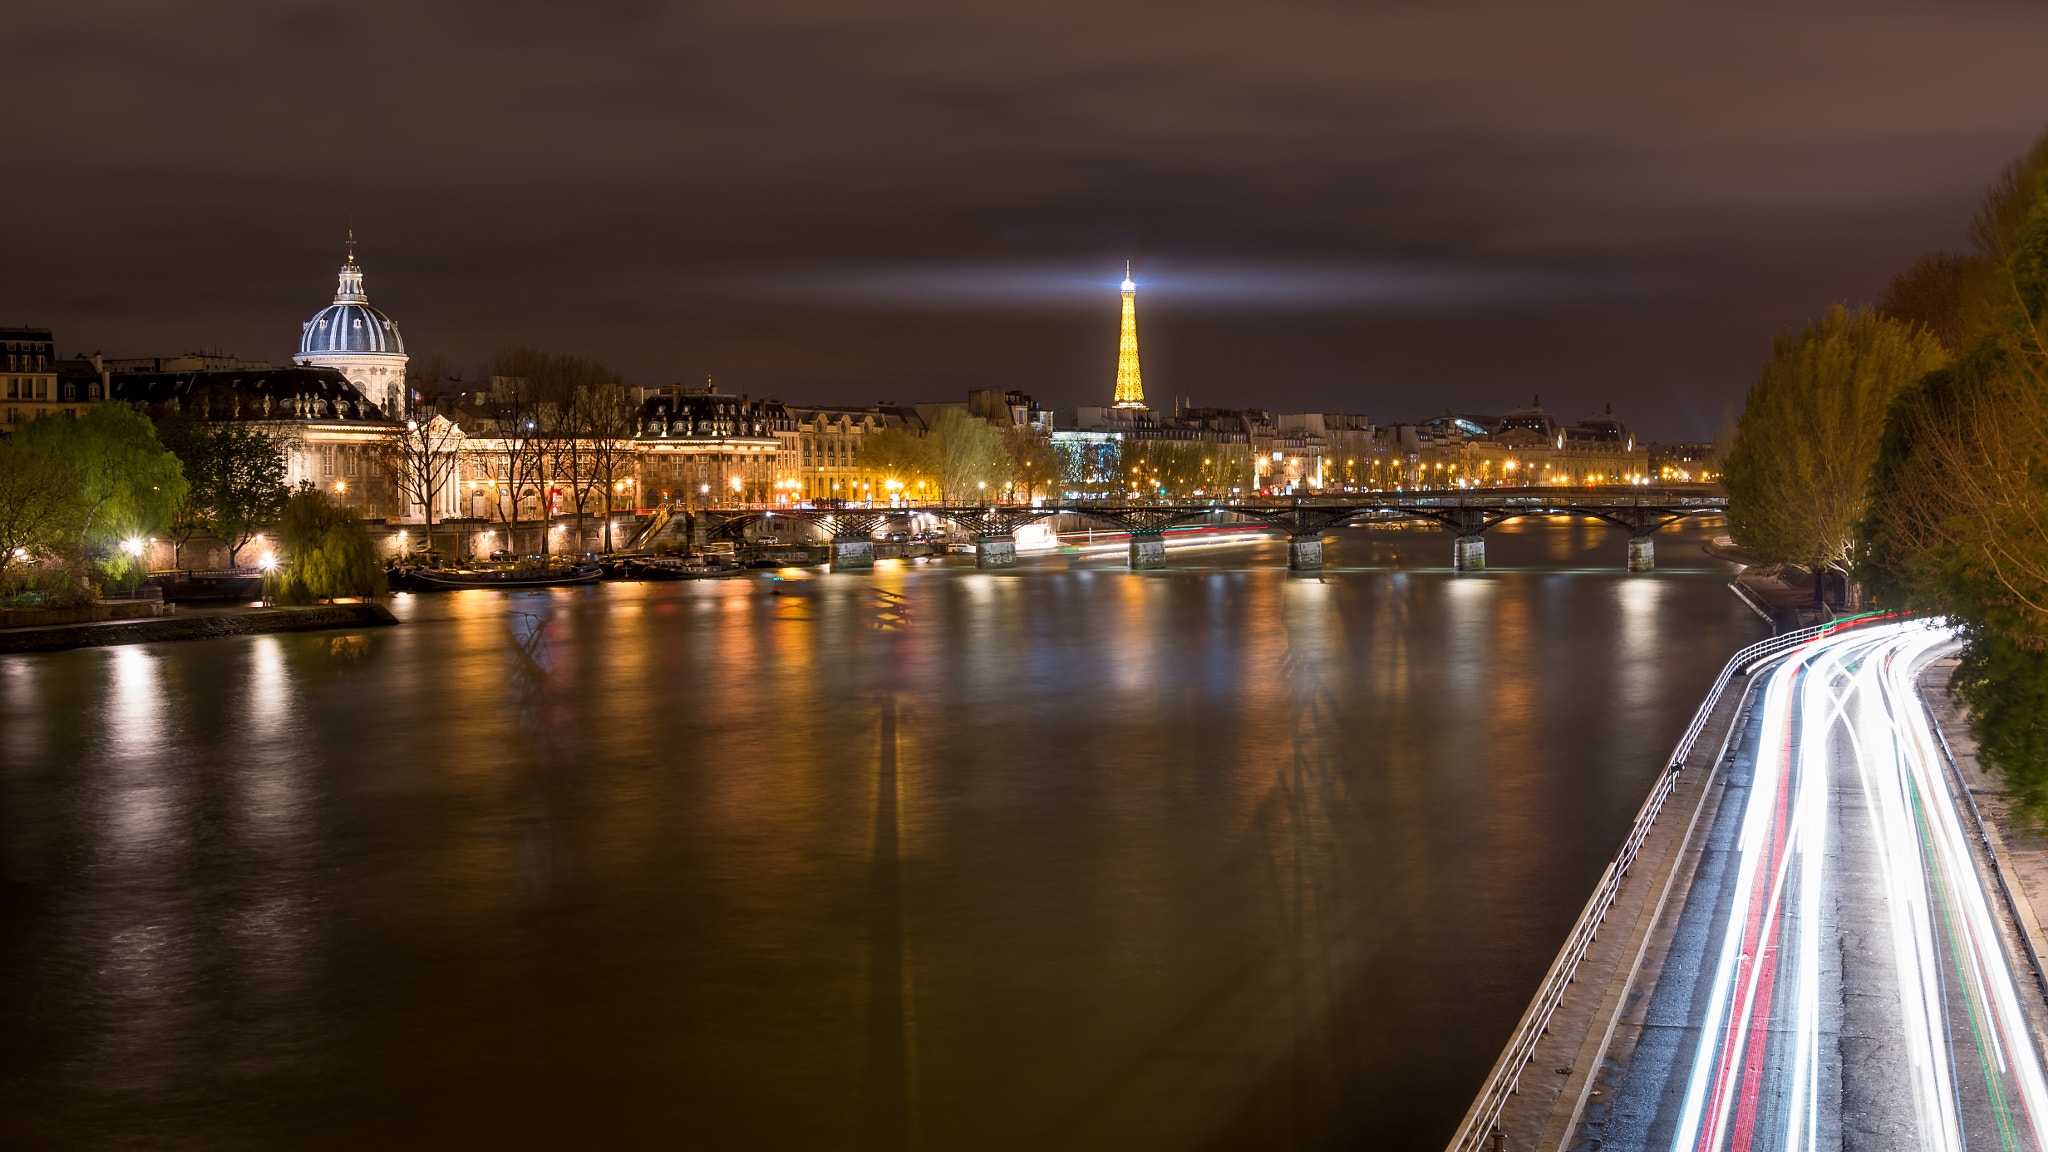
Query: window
[(326, 460), (13, 388), (71, 391), (42, 389)]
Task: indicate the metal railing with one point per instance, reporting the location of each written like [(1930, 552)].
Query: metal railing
[(1477, 1132)]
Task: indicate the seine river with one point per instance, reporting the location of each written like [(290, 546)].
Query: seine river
[(1061, 858)]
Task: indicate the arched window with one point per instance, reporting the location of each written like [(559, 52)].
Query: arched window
[(70, 391)]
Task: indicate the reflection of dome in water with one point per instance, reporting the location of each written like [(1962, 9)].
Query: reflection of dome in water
[(357, 339)]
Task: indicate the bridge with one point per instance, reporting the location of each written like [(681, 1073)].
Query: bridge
[(1466, 514)]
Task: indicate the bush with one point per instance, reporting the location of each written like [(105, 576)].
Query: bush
[(326, 552)]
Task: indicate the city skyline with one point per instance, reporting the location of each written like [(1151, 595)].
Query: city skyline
[(1339, 210)]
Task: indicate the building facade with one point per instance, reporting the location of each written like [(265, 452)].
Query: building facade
[(28, 357)]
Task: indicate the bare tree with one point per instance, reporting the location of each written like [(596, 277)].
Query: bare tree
[(509, 417), (608, 418), (425, 458)]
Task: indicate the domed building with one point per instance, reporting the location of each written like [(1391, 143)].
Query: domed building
[(358, 341)]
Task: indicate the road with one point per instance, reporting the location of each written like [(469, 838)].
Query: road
[(1836, 978)]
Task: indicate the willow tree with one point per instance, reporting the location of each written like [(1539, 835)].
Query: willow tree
[(327, 552), (1799, 472)]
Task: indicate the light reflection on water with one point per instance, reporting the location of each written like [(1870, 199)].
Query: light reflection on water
[(1068, 857)]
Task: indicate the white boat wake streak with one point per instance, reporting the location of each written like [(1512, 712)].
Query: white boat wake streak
[(1849, 792)]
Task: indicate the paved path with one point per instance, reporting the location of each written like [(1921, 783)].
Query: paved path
[(1838, 975)]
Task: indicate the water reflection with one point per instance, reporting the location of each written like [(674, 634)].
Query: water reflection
[(1067, 857)]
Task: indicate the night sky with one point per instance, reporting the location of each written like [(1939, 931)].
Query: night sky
[(1336, 206)]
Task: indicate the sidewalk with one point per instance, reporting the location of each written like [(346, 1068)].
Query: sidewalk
[(2018, 845)]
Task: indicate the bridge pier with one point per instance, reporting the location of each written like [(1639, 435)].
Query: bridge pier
[(995, 552), (1304, 553), (852, 554), (1469, 554), (1642, 554), (1148, 550)]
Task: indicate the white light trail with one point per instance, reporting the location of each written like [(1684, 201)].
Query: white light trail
[(1847, 699)]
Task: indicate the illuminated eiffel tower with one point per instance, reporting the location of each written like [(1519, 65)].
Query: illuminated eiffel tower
[(1130, 392)]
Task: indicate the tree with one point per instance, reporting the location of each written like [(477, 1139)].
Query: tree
[(425, 459), (969, 456), (326, 551), (1033, 467), (1175, 467), (1958, 514), (553, 399), (901, 455), (608, 418), (129, 484), (39, 510), (235, 475), (510, 416), (1809, 435), (1935, 293)]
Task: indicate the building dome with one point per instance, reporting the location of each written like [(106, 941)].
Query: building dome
[(350, 324), (350, 328), (358, 341)]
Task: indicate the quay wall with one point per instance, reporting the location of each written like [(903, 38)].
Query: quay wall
[(198, 625)]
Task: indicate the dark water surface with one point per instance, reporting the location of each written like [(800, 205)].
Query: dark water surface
[(1061, 858)]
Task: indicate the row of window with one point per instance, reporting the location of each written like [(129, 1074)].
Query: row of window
[(26, 363), (351, 460), (14, 414), (834, 452), (29, 388)]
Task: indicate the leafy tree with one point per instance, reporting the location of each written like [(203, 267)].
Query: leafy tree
[(1809, 434), (1958, 516), (39, 511), (901, 455), (971, 461), (1936, 293), (326, 551), (1175, 467), (235, 475), (129, 484)]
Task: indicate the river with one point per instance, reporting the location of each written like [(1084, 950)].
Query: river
[(1065, 857)]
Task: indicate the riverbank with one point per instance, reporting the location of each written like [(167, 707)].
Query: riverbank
[(1782, 594), (195, 624)]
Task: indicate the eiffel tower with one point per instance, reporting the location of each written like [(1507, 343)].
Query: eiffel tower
[(1130, 392)]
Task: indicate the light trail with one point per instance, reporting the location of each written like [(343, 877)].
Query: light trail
[(1839, 715)]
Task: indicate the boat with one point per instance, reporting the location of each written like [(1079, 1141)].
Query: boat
[(664, 570), (438, 578)]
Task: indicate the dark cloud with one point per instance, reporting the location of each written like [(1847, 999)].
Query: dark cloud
[(1384, 208)]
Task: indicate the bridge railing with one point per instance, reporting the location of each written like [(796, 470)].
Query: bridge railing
[(1474, 1133)]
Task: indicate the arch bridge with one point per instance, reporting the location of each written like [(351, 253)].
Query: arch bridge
[(1466, 514)]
